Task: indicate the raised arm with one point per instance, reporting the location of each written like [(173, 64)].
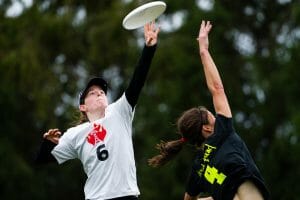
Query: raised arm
[(140, 73), (213, 79)]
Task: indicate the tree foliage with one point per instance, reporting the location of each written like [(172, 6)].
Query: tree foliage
[(51, 48)]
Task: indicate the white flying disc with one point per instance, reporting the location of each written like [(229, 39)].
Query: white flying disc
[(144, 14)]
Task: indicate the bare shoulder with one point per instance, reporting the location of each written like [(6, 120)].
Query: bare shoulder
[(248, 191)]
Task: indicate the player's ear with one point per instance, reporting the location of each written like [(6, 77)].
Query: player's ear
[(206, 130), (207, 127), (82, 108)]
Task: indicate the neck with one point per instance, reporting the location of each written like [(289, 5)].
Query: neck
[(95, 116)]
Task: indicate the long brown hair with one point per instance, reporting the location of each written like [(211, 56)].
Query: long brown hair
[(83, 118), (79, 117), (189, 125)]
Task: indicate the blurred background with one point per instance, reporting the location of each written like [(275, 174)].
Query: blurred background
[(49, 49)]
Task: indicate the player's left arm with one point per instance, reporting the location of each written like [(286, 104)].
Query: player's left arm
[(50, 140), (141, 70), (213, 78)]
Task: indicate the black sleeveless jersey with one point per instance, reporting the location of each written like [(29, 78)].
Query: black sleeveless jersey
[(223, 165)]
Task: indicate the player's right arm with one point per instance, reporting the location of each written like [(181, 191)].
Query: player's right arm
[(141, 70), (213, 79), (51, 138)]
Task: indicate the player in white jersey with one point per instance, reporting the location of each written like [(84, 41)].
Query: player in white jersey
[(104, 142)]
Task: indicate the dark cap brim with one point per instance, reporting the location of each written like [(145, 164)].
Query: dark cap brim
[(94, 81)]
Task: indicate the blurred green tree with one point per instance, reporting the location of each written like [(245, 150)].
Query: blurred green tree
[(50, 48)]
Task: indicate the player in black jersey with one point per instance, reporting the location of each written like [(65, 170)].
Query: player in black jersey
[(223, 169)]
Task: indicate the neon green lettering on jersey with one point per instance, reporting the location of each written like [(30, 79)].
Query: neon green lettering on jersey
[(211, 174)]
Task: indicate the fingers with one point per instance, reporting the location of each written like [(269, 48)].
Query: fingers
[(151, 31), (151, 27), (146, 27), (208, 26), (52, 133), (202, 25), (205, 26)]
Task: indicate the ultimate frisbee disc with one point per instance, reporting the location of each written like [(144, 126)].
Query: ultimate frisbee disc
[(144, 14)]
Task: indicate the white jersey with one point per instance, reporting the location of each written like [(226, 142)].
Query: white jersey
[(106, 152)]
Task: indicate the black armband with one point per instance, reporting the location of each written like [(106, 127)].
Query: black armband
[(139, 76), (44, 154)]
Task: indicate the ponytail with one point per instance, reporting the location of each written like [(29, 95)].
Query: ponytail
[(79, 118), (168, 150), (189, 125)]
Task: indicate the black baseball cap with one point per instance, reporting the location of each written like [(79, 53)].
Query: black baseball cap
[(94, 81)]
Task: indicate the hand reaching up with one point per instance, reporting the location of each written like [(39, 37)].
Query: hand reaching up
[(203, 35), (151, 33)]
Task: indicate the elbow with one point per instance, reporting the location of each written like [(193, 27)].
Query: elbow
[(217, 88), (203, 52)]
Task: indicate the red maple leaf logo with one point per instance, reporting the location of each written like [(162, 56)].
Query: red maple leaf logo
[(96, 135)]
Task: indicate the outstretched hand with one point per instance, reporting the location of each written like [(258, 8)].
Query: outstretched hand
[(151, 33), (53, 135), (203, 35)]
